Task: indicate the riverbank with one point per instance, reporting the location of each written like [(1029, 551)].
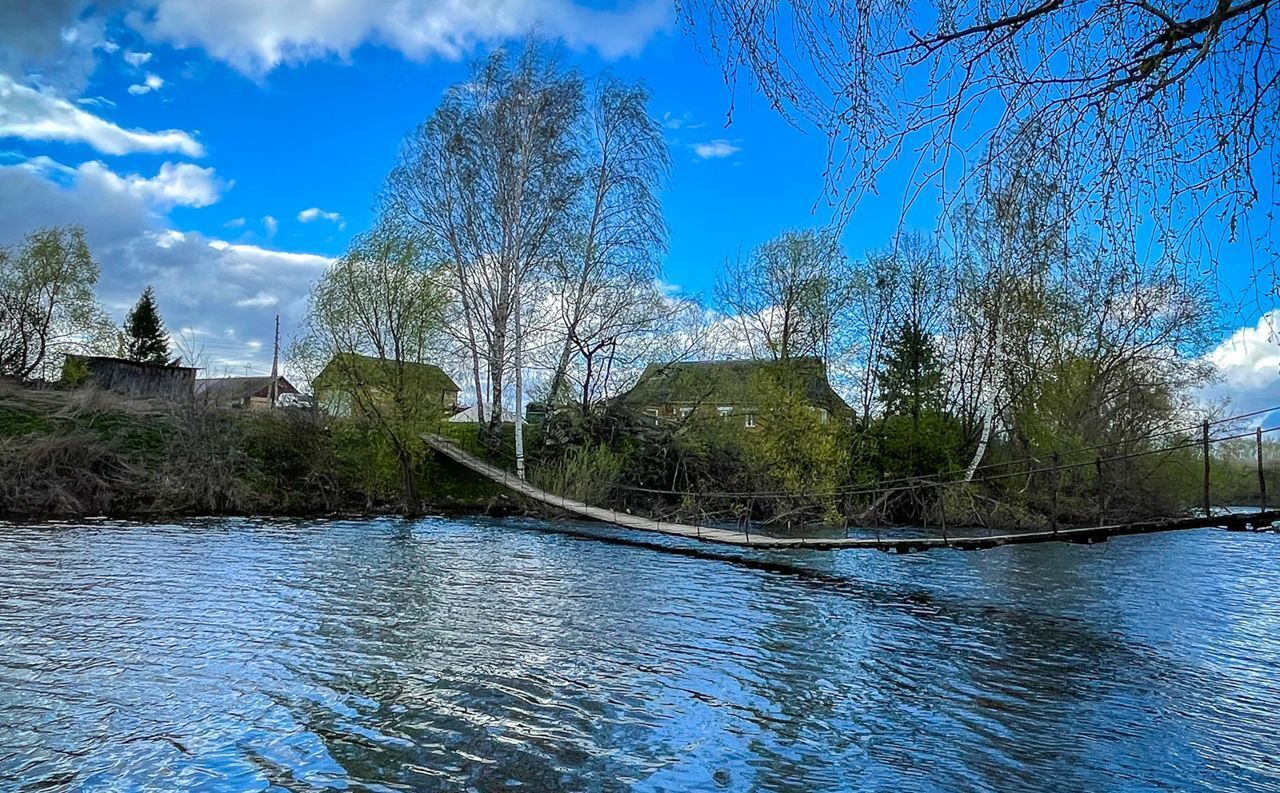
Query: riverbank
[(68, 454)]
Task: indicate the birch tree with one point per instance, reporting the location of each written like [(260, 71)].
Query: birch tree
[(1165, 113), (373, 318), (489, 180), (605, 283)]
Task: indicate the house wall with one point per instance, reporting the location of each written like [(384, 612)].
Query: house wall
[(339, 402)]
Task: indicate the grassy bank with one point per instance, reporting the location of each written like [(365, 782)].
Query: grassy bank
[(79, 453)]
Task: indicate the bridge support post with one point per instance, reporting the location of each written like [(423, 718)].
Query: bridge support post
[(942, 510), (1053, 497), (1102, 490), (1262, 477), (1204, 440)]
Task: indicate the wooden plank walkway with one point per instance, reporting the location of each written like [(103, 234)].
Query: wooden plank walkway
[(1088, 535)]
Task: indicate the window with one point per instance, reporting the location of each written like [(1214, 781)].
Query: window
[(750, 420), (685, 412), (724, 410)]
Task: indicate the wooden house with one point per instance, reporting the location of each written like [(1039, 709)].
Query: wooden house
[(732, 390), (348, 380), (247, 393)]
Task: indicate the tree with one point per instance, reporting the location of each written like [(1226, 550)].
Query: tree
[(910, 374), (145, 340), (489, 180), (605, 285), (373, 315), (788, 296), (1164, 113), (47, 303)]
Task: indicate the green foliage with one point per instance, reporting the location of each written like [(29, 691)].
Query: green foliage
[(144, 339), (375, 317), (928, 444), (74, 372), (910, 374), (47, 304), (64, 453)]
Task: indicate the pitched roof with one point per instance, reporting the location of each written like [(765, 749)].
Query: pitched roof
[(229, 389), (364, 370), (139, 365), (729, 382)]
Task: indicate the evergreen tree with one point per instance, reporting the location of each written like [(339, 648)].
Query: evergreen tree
[(145, 339), (910, 377)]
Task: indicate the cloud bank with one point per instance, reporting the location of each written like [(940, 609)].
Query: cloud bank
[(35, 115)]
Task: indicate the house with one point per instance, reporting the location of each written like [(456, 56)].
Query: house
[(347, 375), (249, 393), (732, 390), (129, 378)]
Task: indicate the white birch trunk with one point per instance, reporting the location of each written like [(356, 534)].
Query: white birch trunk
[(989, 412), (519, 383)]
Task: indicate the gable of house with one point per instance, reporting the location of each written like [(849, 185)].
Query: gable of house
[(348, 372)]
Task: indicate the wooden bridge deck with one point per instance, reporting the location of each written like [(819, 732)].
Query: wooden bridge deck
[(1087, 535)]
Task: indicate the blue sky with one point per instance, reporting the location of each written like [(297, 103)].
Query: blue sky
[(224, 149)]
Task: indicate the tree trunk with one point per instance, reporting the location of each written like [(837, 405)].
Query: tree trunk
[(408, 482), (519, 384)]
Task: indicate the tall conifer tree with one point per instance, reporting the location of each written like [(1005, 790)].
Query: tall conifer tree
[(145, 339)]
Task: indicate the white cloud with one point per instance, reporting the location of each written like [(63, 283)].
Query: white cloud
[(95, 101), (137, 58), (151, 83), (1249, 363), (715, 149), (260, 300), (235, 223), (58, 40), (34, 115), (255, 36), (682, 121), (316, 213), (182, 184), (270, 224)]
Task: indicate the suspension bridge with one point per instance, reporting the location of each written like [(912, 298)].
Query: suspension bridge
[(740, 534)]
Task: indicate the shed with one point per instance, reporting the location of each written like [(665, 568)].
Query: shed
[(130, 378)]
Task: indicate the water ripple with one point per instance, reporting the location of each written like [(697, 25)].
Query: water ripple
[(478, 655)]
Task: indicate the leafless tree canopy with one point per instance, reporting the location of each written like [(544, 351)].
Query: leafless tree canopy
[(1162, 113)]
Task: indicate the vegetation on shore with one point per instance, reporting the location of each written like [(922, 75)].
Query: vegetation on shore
[(85, 452)]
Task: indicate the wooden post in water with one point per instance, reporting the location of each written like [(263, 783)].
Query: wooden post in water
[(1262, 477), (1053, 498), (1204, 436)]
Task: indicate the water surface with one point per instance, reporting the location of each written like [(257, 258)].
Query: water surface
[(487, 655)]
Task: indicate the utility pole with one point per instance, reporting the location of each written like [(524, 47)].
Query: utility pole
[(275, 364)]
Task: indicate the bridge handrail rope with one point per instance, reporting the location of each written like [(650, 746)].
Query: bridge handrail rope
[(499, 448), (938, 481), (912, 482)]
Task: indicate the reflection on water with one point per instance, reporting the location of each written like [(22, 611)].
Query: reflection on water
[(444, 654)]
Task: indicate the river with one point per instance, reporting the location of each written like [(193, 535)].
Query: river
[(449, 654)]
